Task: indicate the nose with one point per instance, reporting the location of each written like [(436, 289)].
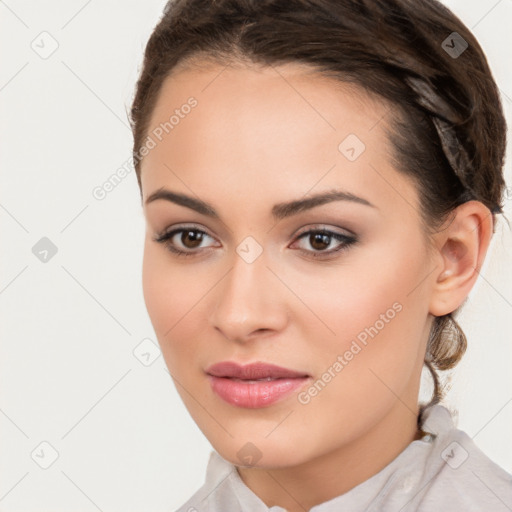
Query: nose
[(249, 302)]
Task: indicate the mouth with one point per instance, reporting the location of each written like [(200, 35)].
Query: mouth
[(254, 371), (254, 385)]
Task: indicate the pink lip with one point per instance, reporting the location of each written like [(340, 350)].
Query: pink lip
[(238, 385)]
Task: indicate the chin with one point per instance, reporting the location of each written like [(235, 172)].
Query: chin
[(262, 453)]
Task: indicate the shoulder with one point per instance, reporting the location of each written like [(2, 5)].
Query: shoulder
[(458, 473)]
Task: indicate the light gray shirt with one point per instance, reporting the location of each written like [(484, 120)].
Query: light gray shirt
[(444, 471)]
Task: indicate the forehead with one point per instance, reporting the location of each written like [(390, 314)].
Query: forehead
[(283, 127), (293, 91)]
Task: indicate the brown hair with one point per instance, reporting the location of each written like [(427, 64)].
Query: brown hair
[(448, 133)]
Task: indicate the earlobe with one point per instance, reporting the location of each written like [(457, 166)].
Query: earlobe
[(463, 244)]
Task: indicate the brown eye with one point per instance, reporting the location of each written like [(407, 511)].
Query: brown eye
[(319, 241), (185, 241), (324, 243), (191, 239)]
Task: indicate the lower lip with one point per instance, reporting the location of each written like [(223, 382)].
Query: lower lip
[(254, 394)]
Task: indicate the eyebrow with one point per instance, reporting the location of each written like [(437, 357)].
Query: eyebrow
[(279, 211)]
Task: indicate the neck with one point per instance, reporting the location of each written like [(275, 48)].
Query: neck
[(316, 481)]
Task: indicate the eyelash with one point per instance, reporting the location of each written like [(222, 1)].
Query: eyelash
[(166, 236)]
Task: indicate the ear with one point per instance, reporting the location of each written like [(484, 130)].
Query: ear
[(460, 249)]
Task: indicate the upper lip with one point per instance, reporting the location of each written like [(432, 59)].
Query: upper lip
[(252, 371)]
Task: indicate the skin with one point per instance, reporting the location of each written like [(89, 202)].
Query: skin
[(261, 136)]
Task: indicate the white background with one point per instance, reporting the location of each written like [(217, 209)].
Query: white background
[(69, 326)]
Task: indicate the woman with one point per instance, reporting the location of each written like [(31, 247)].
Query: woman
[(320, 181)]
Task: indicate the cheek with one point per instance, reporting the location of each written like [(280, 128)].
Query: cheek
[(172, 299), (371, 313), (357, 294), (159, 295)]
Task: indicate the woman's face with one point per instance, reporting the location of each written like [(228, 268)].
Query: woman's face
[(350, 311)]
